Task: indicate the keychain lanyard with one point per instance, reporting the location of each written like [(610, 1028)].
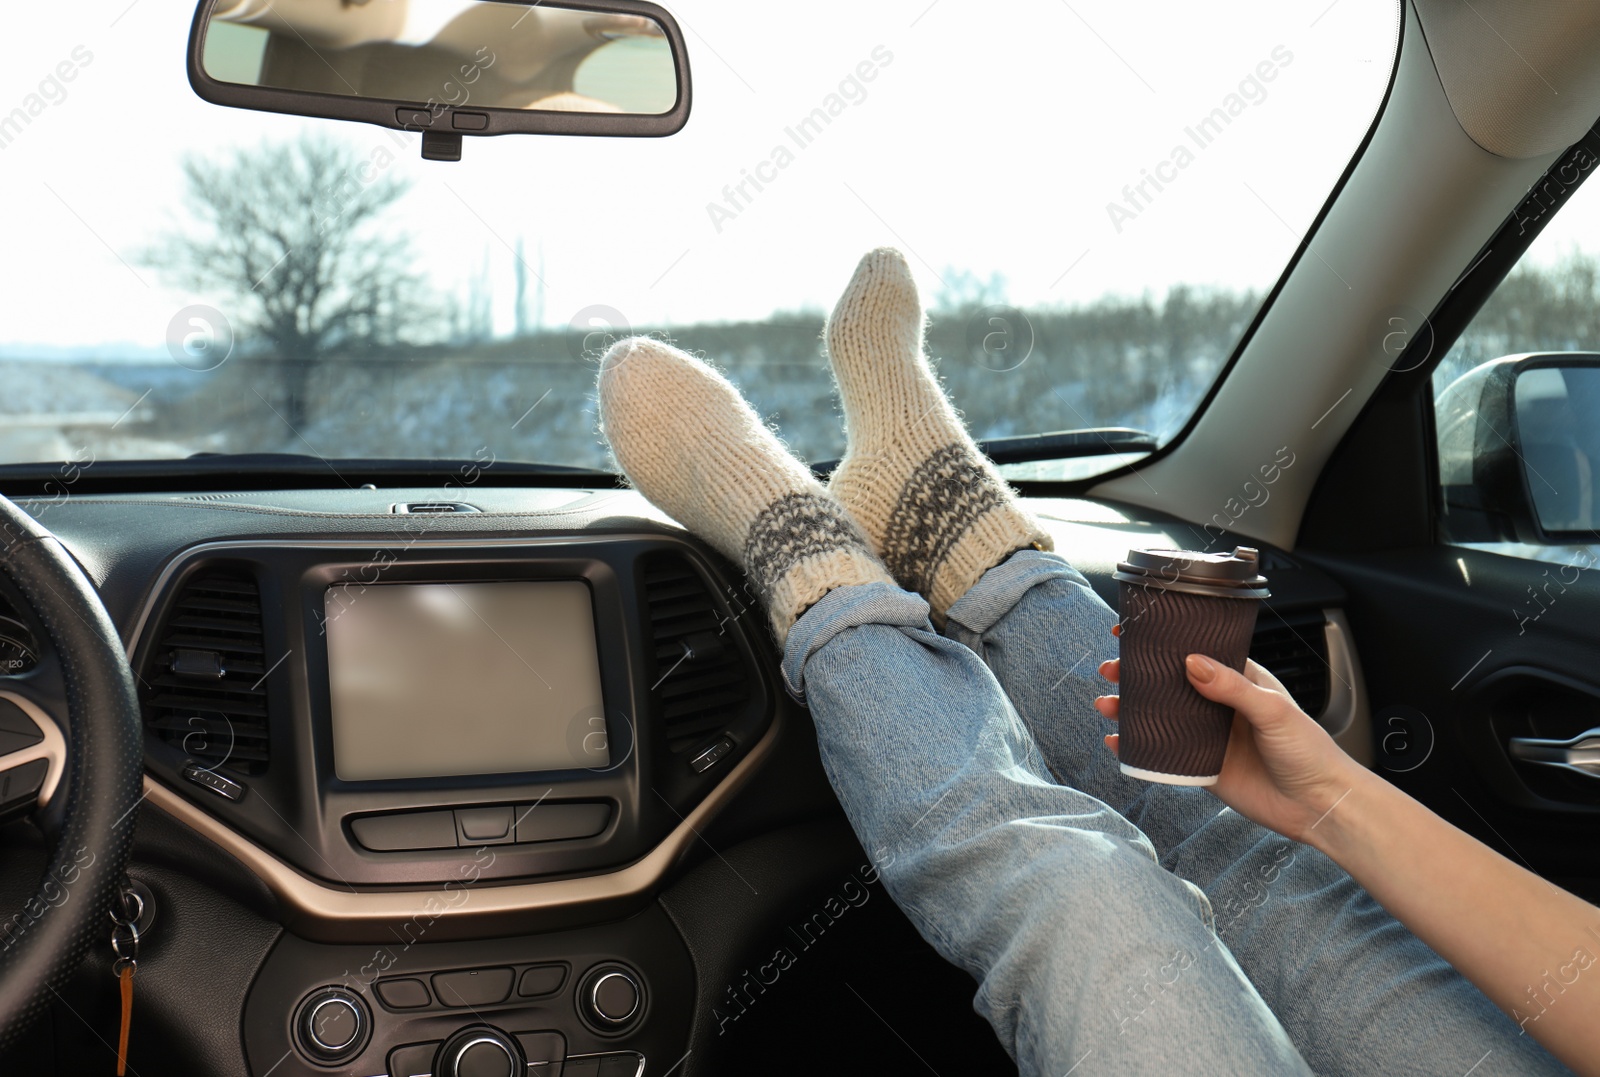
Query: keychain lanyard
[(125, 913)]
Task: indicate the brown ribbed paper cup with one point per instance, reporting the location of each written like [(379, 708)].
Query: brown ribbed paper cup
[(1175, 603)]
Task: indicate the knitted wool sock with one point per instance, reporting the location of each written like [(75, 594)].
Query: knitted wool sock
[(691, 444), (936, 510)]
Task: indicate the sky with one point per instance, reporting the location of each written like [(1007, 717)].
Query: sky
[(990, 139)]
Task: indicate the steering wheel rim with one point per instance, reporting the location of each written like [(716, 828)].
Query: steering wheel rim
[(41, 944)]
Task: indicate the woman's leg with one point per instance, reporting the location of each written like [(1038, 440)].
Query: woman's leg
[(1358, 993), (1035, 616), (1090, 958), (1087, 953)]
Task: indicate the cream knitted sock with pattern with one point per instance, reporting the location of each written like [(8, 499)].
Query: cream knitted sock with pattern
[(936, 509), (691, 444)]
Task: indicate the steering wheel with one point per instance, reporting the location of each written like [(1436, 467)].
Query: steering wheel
[(43, 942)]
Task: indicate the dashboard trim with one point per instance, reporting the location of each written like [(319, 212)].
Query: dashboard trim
[(1348, 715), (451, 910), (327, 914)]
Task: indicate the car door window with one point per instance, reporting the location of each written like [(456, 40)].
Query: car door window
[(1524, 482)]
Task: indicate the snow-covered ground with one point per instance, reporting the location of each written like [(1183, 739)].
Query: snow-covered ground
[(66, 411)]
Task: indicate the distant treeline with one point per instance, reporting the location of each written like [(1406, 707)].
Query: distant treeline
[(1118, 362), (1137, 362), (1536, 308)]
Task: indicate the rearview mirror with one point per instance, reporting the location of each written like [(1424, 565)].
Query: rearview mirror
[(448, 68), (1519, 449)]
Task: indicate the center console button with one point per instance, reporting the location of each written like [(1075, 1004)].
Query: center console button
[(560, 822), (542, 1046), (403, 994), (473, 987), (484, 826), (541, 980), (407, 830), (413, 1061)]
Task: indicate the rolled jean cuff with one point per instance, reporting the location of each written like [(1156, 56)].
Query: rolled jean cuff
[(1001, 588), (842, 608)]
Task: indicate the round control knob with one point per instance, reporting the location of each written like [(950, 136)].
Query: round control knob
[(479, 1051), (615, 997), (332, 1025), (611, 998)]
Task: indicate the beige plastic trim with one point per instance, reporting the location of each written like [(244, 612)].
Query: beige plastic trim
[(454, 910), (53, 747), (1348, 716), (323, 913), (1415, 211), (1523, 78)]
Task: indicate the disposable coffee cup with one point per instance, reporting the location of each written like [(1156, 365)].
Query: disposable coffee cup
[(1175, 603)]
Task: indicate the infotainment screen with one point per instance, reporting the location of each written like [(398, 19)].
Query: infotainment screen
[(437, 679)]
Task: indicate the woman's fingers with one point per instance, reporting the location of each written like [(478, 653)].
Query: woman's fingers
[(1263, 676), (1112, 741), (1110, 706), (1261, 707)]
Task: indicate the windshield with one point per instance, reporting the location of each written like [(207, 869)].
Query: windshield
[(1094, 196)]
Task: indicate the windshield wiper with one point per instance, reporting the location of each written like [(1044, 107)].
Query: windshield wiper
[(293, 462), (1060, 445), (261, 471), (1067, 444)]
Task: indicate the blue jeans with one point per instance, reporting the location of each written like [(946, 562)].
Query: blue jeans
[(1112, 926)]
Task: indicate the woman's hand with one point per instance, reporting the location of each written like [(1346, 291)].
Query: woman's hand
[(1282, 769)]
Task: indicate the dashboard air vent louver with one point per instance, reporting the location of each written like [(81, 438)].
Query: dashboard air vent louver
[(1294, 648), (204, 680), (699, 680), (1273, 560)]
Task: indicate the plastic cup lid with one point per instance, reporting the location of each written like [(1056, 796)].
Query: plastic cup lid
[(1229, 575)]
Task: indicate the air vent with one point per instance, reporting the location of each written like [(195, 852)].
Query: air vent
[(431, 508), (1273, 560), (699, 680), (204, 680), (1294, 648)]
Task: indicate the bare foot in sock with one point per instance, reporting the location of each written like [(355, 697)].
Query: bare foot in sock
[(691, 444), (934, 507)]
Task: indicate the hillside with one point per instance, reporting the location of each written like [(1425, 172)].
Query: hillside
[(1117, 362)]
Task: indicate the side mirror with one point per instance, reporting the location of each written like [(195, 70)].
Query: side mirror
[(448, 69), (1519, 449)]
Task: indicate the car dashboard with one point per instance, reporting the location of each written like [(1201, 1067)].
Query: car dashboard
[(430, 871)]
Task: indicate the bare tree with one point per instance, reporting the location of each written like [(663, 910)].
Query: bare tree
[(294, 236)]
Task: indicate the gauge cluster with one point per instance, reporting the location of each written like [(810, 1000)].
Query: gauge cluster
[(19, 651)]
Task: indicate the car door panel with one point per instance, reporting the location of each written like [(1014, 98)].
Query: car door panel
[(1465, 651)]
